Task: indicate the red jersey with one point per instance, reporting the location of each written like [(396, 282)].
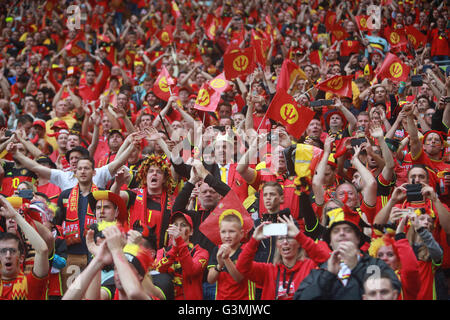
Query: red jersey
[(13, 177), (227, 288), (277, 281), (439, 42), (265, 127), (102, 149), (52, 191), (92, 92), (186, 263), (24, 287), (106, 159)]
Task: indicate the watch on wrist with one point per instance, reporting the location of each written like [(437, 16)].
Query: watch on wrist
[(217, 269)]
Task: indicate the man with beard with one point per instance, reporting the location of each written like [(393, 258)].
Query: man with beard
[(115, 140), (94, 85)]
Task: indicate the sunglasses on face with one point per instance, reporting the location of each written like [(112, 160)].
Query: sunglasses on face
[(4, 251)]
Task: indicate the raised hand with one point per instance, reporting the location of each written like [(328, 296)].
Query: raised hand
[(376, 131), (292, 228)]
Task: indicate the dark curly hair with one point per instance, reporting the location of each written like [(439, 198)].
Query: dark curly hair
[(154, 160)]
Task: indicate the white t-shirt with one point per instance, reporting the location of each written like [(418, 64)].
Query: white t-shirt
[(67, 180)]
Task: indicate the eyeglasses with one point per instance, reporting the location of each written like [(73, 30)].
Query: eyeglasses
[(4, 251), (285, 238), (429, 114)]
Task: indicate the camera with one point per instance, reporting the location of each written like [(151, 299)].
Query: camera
[(357, 141), (426, 67), (414, 192), (273, 217), (275, 229), (321, 102), (26, 194), (416, 81)]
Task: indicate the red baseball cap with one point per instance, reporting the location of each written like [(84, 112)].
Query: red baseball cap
[(185, 216), (60, 124), (40, 123)]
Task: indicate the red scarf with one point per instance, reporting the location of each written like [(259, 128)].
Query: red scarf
[(151, 218), (71, 224)]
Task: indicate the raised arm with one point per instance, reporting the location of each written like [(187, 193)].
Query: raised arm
[(348, 115), (41, 263), (369, 191), (28, 163), (389, 164), (128, 278), (319, 177), (415, 143), (243, 168), (79, 288)]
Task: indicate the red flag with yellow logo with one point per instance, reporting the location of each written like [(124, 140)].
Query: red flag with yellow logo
[(415, 37), (73, 49), (284, 109), (339, 85), (229, 205), (393, 68), (361, 20), (339, 32), (161, 88), (396, 37), (207, 98), (239, 63), (165, 36), (175, 10), (211, 25), (219, 83), (289, 70), (261, 44), (329, 20), (349, 47)]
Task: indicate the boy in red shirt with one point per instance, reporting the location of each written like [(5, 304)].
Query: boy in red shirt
[(230, 283)]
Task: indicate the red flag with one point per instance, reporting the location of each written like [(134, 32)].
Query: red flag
[(289, 70), (415, 37), (393, 68), (229, 205), (284, 109), (219, 83), (239, 63), (339, 85), (330, 20), (349, 47), (339, 32), (261, 45), (165, 36), (211, 26), (175, 10), (73, 49), (362, 22), (269, 28), (161, 88), (236, 39), (207, 98), (315, 57), (396, 37)]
